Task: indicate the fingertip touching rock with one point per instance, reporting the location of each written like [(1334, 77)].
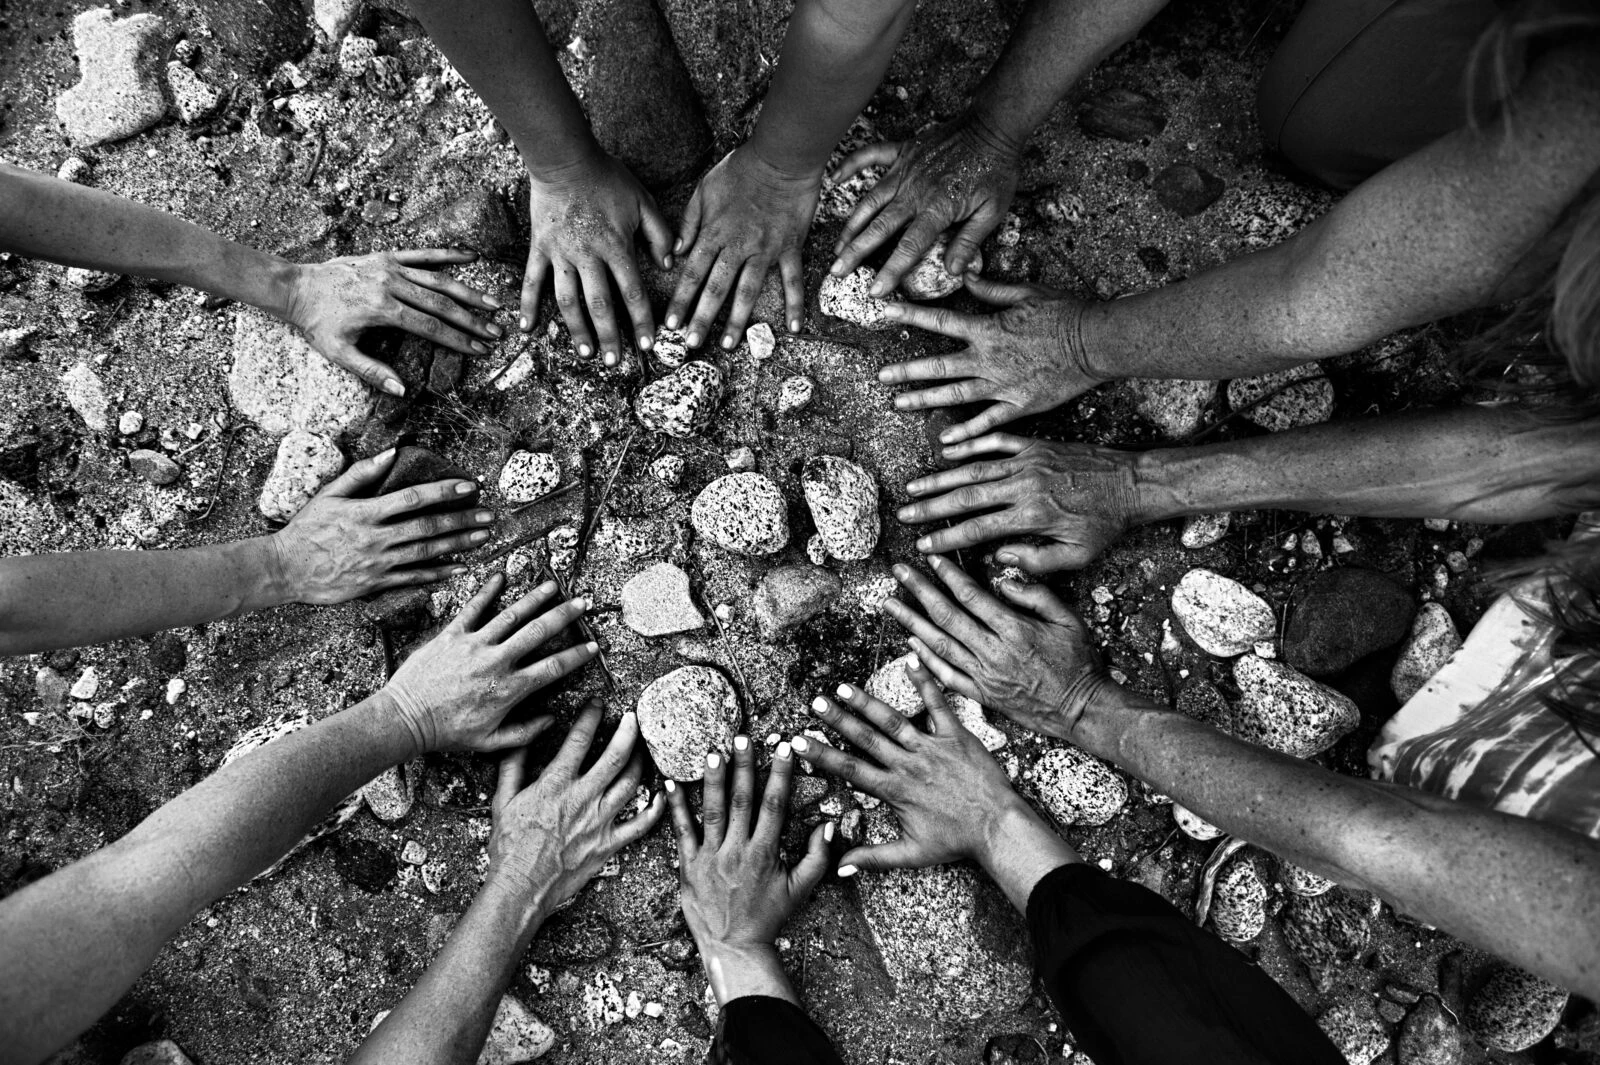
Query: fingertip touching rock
[(685, 715), (847, 299)]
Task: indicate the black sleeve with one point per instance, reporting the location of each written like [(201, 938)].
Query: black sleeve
[(757, 1030), (1140, 984)]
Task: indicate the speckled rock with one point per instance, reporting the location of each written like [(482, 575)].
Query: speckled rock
[(682, 403), (891, 684), (657, 602), (1298, 880), (1281, 709), (1356, 1030), (1514, 1009), (1221, 615), (743, 513), (280, 382), (790, 595), (305, 463), (162, 1052), (1203, 530), (91, 281), (1193, 825), (684, 716), (1433, 639), (1177, 408), (1239, 901), (154, 467), (86, 395), (846, 298), (762, 341), (929, 280), (741, 459), (528, 476), (1306, 397), (516, 1036), (1077, 788), (193, 97), (1340, 616), (970, 713), (796, 394), (843, 499), (1430, 1035), (1327, 932), (671, 347), (391, 794), (119, 93), (668, 469)]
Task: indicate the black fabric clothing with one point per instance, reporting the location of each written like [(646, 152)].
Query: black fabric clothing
[(1140, 984), (757, 1030)]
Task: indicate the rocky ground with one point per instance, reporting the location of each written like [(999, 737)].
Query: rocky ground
[(143, 416)]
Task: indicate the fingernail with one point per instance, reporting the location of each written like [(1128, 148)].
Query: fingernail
[(727, 342), (480, 536), (741, 743), (818, 705), (913, 662), (583, 350), (782, 752), (1007, 558), (713, 760), (827, 831), (883, 377), (394, 388), (609, 358), (524, 324), (847, 870), (627, 716), (581, 603), (592, 647), (801, 744), (480, 347), (693, 340), (483, 517), (677, 245), (672, 321), (466, 488), (924, 545), (669, 785), (837, 268), (947, 437), (901, 572), (794, 325), (666, 262), (936, 561), (495, 330), (547, 587), (878, 289), (384, 456), (845, 691), (901, 402), (645, 343), (456, 571), (491, 302)]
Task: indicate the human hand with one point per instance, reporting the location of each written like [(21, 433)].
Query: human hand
[(1080, 496), (551, 837), (1037, 667), (1028, 358), (957, 172), (344, 544), (744, 216), (455, 691), (584, 224), (334, 302), (736, 891), (948, 793)]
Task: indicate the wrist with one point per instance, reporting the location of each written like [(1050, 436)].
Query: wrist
[(737, 969), (1020, 849), (1157, 494), (767, 164), (573, 163), (518, 898), (279, 287), (419, 727), (993, 133), (272, 570)]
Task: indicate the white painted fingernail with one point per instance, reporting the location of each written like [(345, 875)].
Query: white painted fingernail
[(818, 705), (847, 870), (592, 647), (845, 691), (827, 831), (741, 743), (670, 785), (913, 662), (782, 752), (713, 760), (801, 744)]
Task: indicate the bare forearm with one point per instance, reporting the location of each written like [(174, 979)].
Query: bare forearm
[(1525, 891), (47, 218), (1055, 44), (1471, 464), (1021, 849), (833, 57), (447, 1016), (87, 597), (72, 943), (502, 51)]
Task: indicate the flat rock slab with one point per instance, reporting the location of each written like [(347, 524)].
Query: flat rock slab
[(280, 382), (657, 602), (120, 93)]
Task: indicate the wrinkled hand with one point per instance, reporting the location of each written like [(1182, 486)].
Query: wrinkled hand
[(743, 217), (946, 790), (1027, 359), (1036, 667), (584, 224), (343, 544), (736, 890), (551, 837), (455, 691), (334, 302), (1080, 496), (955, 173)]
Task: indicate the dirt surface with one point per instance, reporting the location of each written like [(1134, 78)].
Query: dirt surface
[(295, 967)]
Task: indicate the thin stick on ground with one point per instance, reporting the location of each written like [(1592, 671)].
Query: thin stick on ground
[(605, 493), (584, 626)]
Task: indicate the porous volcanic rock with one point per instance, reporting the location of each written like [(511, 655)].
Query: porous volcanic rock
[(847, 299), (685, 715), (1239, 901), (1513, 1010), (1078, 788), (529, 476), (1358, 1032), (305, 462), (120, 92), (1175, 407), (1286, 711), (1301, 395), (929, 280), (790, 595), (1430, 1035), (682, 403), (743, 513), (280, 382), (843, 499), (1429, 645)]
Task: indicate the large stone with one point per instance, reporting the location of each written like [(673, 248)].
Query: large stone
[(120, 91), (1430, 1035), (847, 299), (686, 715), (743, 513), (657, 602), (1356, 1030), (280, 382), (1340, 616), (1433, 639), (391, 794), (790, 595), (516, 1035), (1176, 407), (1327, 932), (843, 499), (529, 476), (930, 280), (1286, 399), (641, 104), (86, 395), (1122, 114), (682, 403), (161, 1052), (259, 33), (477, 219), (1221, 615), (947, 937), (1286, 711), (1513, 1010), (1239, 901), (305, 462), (1077, 788), (1186, 189)]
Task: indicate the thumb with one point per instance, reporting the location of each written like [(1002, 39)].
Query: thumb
[(1039, 599), (963, 249), (657, 233), (897, 854), (361, 476), (1000, 292), (518, 735), (808, 873), (1047, 559), (689, 227), (374, 373)]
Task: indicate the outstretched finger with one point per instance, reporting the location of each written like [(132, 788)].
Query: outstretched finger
[(530, 637), (519, 734), (992, 416), (973, 597), (883, 153), (683, 829), (969, 391), (932, 368), (939, 712), (805, 876), (973, 531), (471, 615), (963, 249), (1005, 293), (513, 775), (569, 759), (619, 749), (1039, 599), (918, 238), (1048, 558), (869, 778), (745, 294), (885, 718), (639, 827), (696, 268), (744, 790), (512, 618), (602, 312), (546, 671), (446, 285), (890, 219), (657, 232), (896, 854), (442, 307), (775, 799), (1005, 443), (410, 575), (373, 373), (361, 475), (637, 301), (624, 786), (950, 480), (431, 257), (948, 675), (713, 802), (689, 227), (934, 319), (402, 501), (532, 284), (794, 288), (863, 736), (569, 301)]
